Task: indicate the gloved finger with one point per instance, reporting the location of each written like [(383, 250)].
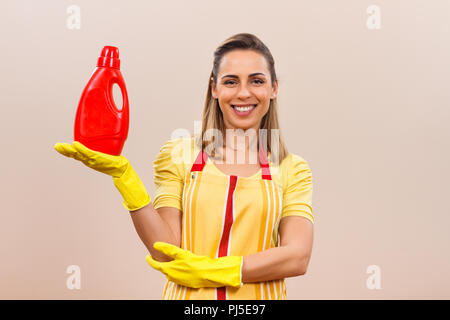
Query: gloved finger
[(94, 156), (153, 263), (67, 150), (170, 250), (84, 150), (91, 154)]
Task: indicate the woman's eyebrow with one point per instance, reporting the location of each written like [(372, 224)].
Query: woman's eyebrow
[(235, 76)]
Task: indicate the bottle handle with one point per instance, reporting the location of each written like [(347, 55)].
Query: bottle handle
[(121, 83)]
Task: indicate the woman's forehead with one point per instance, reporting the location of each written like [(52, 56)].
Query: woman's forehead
[(243, 62)]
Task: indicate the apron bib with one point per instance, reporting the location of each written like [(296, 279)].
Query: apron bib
[(226, 215)]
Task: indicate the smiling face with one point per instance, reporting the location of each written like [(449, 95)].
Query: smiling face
[(244, 89)]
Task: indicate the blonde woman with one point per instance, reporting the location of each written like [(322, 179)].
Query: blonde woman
[(228, 220)]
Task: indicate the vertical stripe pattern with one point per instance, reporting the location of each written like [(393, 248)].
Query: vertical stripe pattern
[(226, 230), (264, 228)]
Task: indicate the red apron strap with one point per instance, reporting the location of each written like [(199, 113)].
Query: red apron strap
[(202, 157), (200, 161), (265, 169)]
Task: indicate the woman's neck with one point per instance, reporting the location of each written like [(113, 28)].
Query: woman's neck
[(244, 152)]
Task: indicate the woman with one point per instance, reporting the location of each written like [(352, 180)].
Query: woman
[(220, 228)]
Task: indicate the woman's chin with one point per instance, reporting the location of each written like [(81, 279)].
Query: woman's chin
[(244, 126)]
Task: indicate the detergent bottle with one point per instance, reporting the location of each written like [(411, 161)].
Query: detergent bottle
[(99, 124)]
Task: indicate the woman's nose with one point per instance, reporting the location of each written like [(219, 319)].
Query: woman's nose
[(244, 92)]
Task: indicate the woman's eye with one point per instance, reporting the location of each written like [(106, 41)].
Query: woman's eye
[(258, 81)]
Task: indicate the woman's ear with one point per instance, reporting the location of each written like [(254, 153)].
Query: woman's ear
[(274, 90), (213, 89)]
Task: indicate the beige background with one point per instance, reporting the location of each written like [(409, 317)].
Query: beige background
[(368, 110)]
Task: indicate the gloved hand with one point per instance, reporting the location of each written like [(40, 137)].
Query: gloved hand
[(125, 179), (196, 271)]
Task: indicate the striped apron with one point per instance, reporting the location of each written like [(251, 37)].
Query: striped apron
[(229, 215)]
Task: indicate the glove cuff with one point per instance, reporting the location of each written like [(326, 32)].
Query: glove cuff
[(231, 274), (240, 272), (132, 189)]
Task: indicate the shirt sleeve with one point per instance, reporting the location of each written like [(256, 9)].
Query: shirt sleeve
[(168, 176), (297, 194)]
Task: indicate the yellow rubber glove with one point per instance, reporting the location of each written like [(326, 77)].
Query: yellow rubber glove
[(196, 271), (125, 179)]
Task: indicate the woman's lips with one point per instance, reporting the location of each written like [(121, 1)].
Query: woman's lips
[(244, 113)]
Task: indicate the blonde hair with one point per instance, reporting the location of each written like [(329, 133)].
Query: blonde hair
[(212, 117)]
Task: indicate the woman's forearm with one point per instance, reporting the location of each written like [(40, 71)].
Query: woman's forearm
[(273, 264), (151, 228)]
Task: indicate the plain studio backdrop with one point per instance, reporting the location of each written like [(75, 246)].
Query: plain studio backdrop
[(363, 97)]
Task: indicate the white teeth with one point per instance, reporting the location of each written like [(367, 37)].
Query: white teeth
[(243, 109)]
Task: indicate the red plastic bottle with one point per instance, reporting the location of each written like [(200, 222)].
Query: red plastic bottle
[(99, 124)]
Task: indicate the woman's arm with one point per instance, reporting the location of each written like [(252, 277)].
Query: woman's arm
[(196, 271), (162, 225), (291, 259)]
